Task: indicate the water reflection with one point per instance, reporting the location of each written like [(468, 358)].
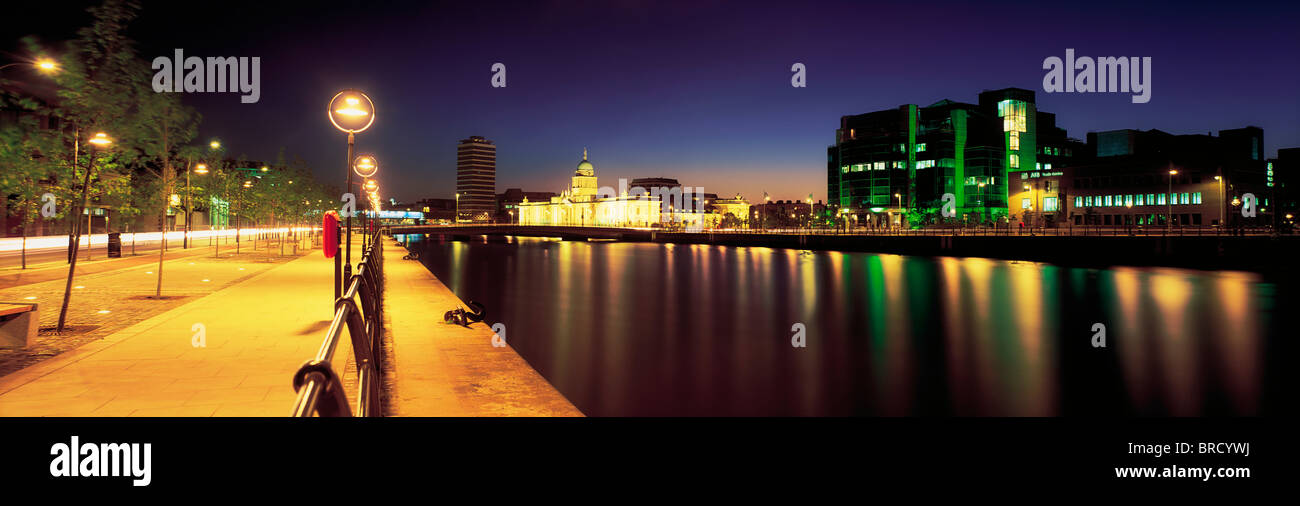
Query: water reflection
[(662, 329)]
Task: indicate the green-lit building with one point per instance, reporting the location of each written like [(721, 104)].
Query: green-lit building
[(894, 166)]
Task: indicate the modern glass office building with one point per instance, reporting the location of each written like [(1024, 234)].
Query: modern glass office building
[(476, 176), (894, 166)]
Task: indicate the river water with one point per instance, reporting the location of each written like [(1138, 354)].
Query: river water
[(632, 329)]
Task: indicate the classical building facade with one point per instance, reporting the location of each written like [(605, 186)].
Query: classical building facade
[(585, 203)]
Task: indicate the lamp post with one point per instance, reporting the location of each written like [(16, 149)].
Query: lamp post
[(350, 111), (365, 166), (1169, 202), (899, 196), (215, 145), (99, 141), (1219, 179)]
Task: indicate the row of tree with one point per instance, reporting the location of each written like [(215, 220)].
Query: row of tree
[(103, 85)]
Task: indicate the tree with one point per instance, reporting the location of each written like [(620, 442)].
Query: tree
[(26, 169)]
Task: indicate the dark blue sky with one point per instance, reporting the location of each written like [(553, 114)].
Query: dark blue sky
[(700, 90)]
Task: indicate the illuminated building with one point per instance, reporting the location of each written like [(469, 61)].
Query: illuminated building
[(476, 176), (585, 203), (1129, 180), (894, 166)]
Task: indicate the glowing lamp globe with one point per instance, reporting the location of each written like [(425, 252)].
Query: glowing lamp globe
[(365, 166), (351, 111)]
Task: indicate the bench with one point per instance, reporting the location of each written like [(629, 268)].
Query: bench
[(18, 324)]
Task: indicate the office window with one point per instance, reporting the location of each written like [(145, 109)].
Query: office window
[(1049, 204), (1047, 166), (920, 147), (880, 166), (1087, 201), (1151, 199), (1109, 202), (1078, 202), (1196, 198), (1173, 198), (1014, 143), (1015, 161), (1182, 198), (1128, 200), (844, 169), (1161, 201), (1139, 201)]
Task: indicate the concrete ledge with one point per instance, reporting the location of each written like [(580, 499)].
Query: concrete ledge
[(18, 330), (439, 369)]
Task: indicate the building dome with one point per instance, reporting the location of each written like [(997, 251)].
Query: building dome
[(585, 168)]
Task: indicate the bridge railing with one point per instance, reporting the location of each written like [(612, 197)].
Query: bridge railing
[(361, 311)]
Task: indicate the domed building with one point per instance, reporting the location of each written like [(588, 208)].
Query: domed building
[(585, 203)]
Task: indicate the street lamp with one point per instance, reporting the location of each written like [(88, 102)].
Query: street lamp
[(44, 65), (100, 141), (1221, 199), (899, 196), (350, 111), (1169, 202)]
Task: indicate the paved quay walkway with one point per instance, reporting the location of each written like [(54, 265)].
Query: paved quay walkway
[(439, 369), (256, 332)]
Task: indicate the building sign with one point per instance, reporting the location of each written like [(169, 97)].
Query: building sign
[(1036, 174), (398, 215), (1270, 174)]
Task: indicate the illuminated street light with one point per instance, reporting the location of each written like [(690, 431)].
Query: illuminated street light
[(1169, 202), (350, 111), (215, 144), (100, 141), (201, 169), (365, 166), (44, 65), (265, 168)]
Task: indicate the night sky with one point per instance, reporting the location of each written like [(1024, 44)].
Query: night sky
[(697, 90)]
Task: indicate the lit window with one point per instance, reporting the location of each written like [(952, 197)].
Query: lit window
[(1108, 201), (1151, 199), (880, 166), (920, 147), (1024, 203), (1078, 202), (844, 169), (1161, 201), (1182, 198), (1087, 201), (1196, 198), (1128, 200), (1015, 141), (1049, 204), (1015, 161), (1047, 166), (1139, 200)]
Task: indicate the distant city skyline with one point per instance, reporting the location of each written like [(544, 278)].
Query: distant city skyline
[(699, 92)]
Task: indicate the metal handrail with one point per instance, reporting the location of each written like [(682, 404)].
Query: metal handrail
[(320, 390)]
